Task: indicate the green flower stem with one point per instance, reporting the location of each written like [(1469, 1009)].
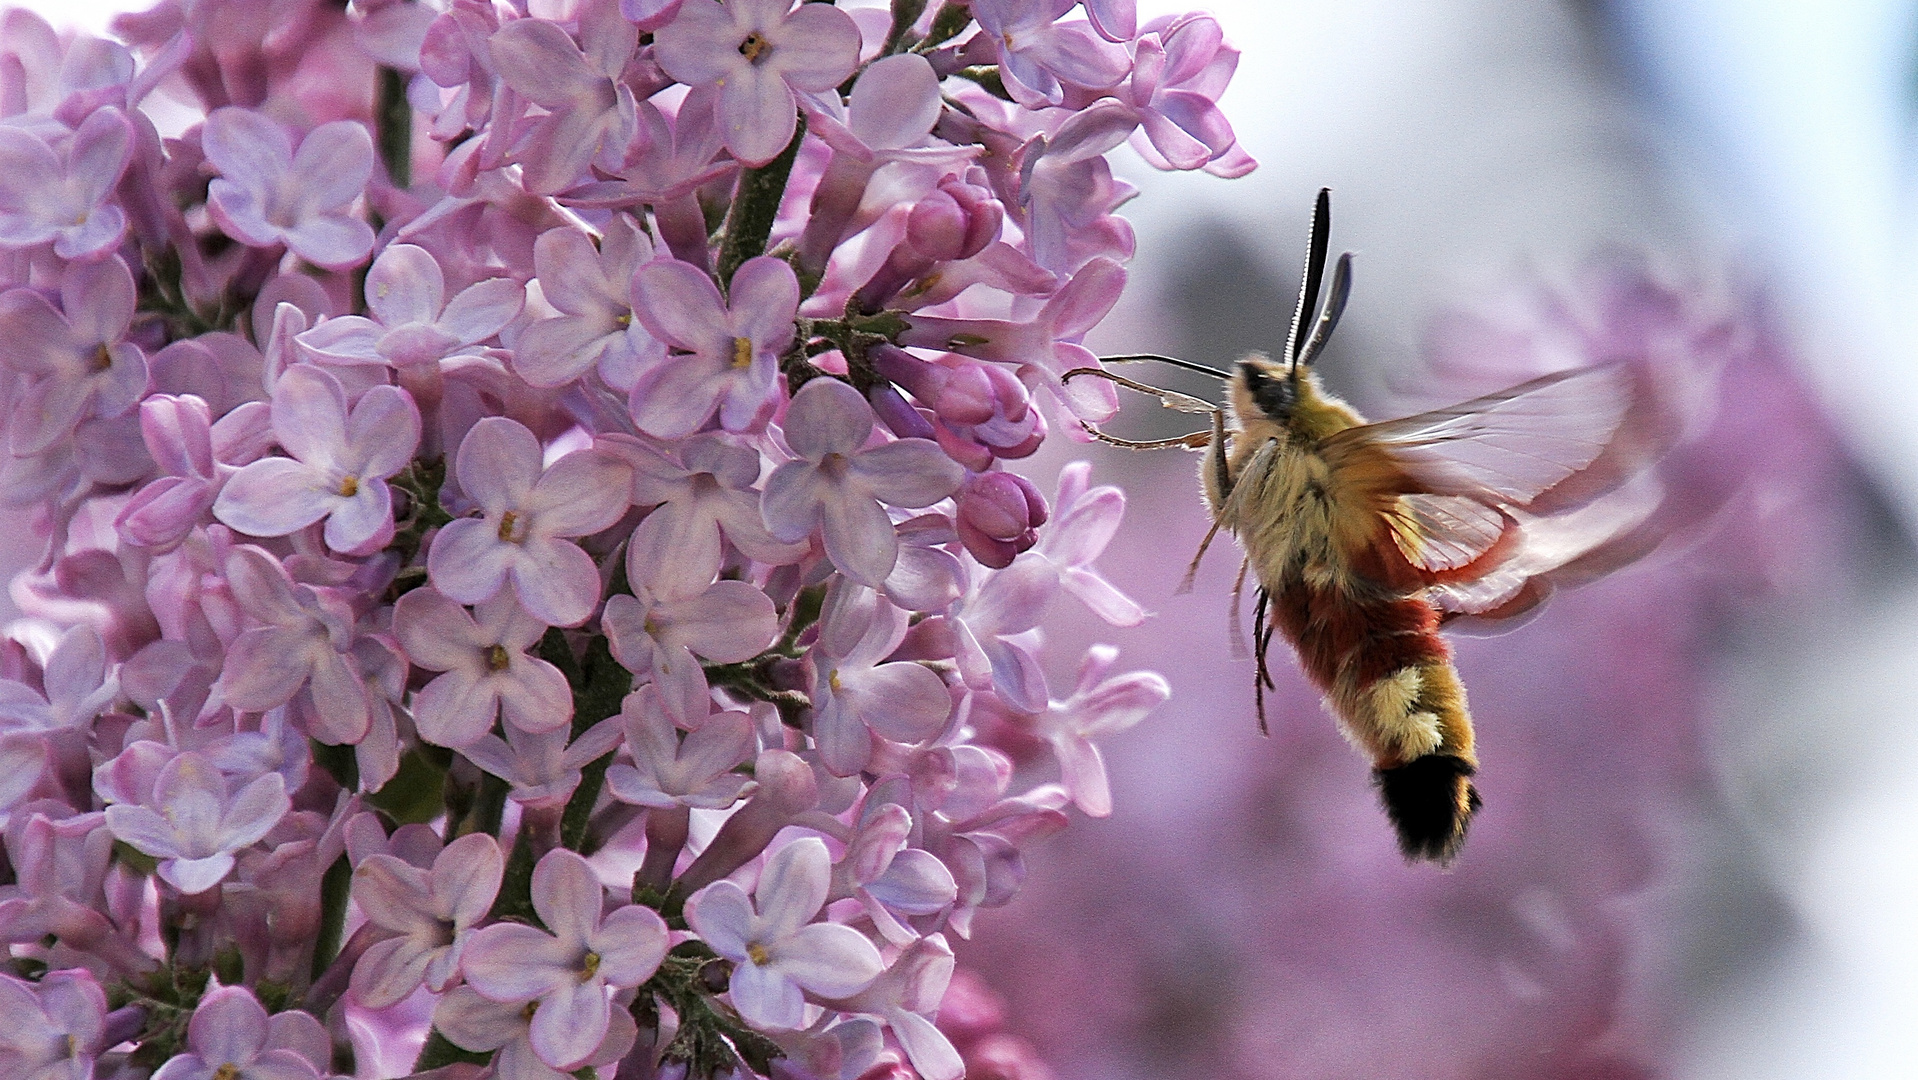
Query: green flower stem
[(755, 206)]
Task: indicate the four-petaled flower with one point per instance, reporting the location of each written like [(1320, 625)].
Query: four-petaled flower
[(779, 953), (838, 483), (485, 664), (727, 349), (267, 193), (759, 52), (529, 514), (569, 970), (339, 468), (194, 825), (430, 912)]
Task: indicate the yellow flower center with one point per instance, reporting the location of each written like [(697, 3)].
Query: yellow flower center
[(589, 967), (227, 1071), (349, 486), (102, 358), (497, 658), (832, 680), (758, 955), (754, 47), (742, 352), (510, 529)]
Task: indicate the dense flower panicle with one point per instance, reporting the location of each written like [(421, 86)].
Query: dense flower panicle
[(488, 449)]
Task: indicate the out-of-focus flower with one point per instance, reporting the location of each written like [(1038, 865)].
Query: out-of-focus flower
[(589, 114), (54, 1026), (63, 197), (569, 970), (77, 361), (231, 1038), (267, 193), (193, 824), (779, 953), (412, 321)]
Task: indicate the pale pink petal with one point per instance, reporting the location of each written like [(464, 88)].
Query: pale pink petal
[(405, 286), (557, 583), (859, 537), (331, 241), (498, 463), (757, 114), (827, 417), (483, 309), (793, 887), (436, 632), (581, 494), (273, 497), (381, 434), (455, 709), (680, 305), (830, 960), (570, 1022)]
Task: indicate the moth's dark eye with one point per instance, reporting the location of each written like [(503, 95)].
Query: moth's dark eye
[(1274, 397)]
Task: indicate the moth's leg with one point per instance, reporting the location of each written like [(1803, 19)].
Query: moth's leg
[(1192, 570), (1195, 441), (1262, 635), (1216, 459), (1233, 626)]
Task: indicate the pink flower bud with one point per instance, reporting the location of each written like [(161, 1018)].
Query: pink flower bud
[(998, 516), (956, 221)]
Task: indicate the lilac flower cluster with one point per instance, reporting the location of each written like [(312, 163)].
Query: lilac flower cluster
[(626, 504)]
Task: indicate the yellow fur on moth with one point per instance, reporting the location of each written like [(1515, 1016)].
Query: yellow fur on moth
[(1364, 538)]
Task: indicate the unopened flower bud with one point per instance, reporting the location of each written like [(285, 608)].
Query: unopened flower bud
[(999, 514), (956, 221)]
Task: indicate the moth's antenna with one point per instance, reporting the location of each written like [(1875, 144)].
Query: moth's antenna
[(1170, 360), (1334, 307), (1316, 251)]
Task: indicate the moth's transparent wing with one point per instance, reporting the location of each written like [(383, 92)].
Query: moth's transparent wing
[(1507, 448), (1492, 500)]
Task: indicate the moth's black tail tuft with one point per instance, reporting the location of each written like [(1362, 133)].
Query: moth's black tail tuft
[(1430, 801)]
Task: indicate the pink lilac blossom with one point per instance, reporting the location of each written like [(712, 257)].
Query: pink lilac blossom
[(779, 953), (725, 349), (759, 52), (485, 670), (63, 197), (76, 360), (475, 463), (339, 466), (269, 193), (568, 970), (529, 513), (838, 483)]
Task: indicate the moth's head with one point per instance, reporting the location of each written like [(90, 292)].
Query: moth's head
[(1263, 387)]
